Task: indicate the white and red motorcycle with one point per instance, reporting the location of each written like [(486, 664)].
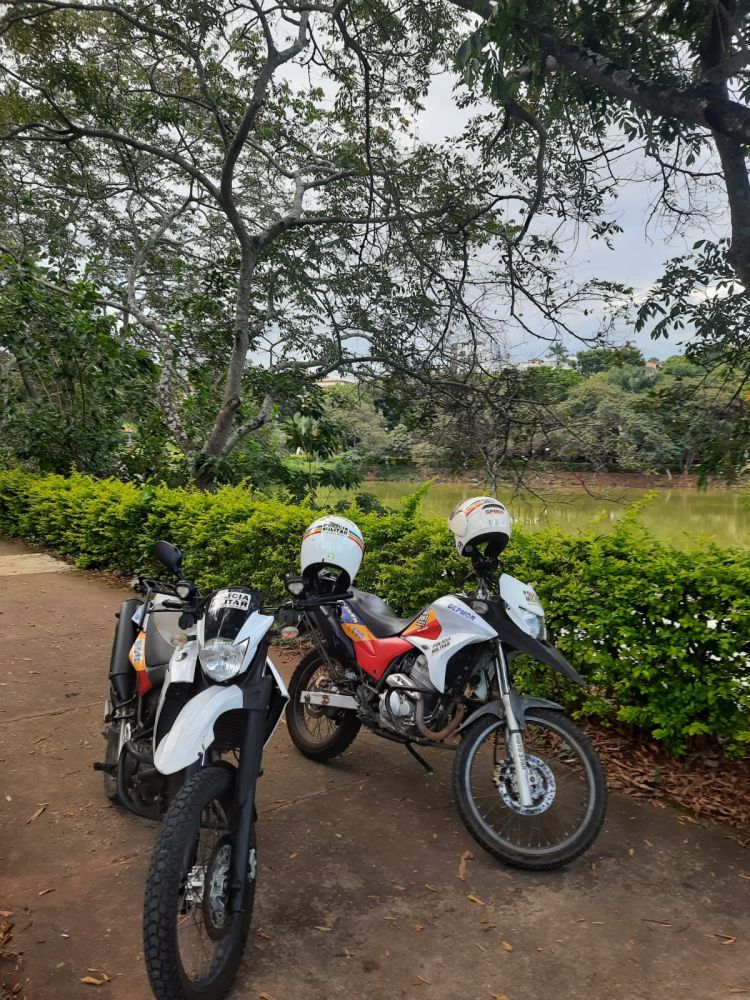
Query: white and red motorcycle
[(527, 782)]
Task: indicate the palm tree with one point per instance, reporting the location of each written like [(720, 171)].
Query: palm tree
[(558, 352)]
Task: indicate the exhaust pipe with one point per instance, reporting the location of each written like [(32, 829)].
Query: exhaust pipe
[(429, 734)]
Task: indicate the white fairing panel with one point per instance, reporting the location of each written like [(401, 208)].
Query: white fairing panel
[(519, 597), (278, 678), (193, 732), (459, 627), (182, 665), (254, 628), (181, 670)]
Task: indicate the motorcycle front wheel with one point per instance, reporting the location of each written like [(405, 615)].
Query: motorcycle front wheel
[(192, 942), (567, 783)]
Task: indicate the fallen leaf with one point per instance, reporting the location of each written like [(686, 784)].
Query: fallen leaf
[(466, 856), (45, 891), (480, 946), (500, 996), (418, 927), (430, 887), (744, 876), (262, 934), (37, 814), (317, 928), (102, 973), (726, 938), (647, 842), (597, 921), (506, 946), (649, 920), (293, 855), (265, 996), (475, 899), (421, 979), (90, 981), (631, 851)]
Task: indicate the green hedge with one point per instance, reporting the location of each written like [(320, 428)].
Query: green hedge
[(661, 634)]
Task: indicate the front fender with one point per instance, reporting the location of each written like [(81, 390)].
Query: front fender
[(520, 706), (193, 731)]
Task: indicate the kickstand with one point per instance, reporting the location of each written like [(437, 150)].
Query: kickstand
[(419, 758)]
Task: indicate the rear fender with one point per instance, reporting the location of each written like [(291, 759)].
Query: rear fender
[(520, 703)]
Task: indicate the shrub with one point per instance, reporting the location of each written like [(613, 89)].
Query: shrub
[(660, 634)]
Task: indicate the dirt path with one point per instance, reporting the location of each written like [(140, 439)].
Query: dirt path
[(358, 892)]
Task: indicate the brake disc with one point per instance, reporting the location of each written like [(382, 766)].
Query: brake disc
[(541, 785)]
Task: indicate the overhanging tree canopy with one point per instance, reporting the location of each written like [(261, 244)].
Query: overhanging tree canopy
[(671, 78), (246, 183)]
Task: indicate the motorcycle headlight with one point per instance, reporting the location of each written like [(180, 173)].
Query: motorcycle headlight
[(534, 625), (221, 659)]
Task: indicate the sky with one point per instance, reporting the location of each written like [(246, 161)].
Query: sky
[(638, 256)]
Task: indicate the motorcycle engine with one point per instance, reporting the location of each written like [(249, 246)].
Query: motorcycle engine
[(398, 703)]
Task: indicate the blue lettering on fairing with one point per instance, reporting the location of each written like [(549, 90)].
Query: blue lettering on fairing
[(462, 611)]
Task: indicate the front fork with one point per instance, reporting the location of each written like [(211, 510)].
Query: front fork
[(256, 702), (513, 730)]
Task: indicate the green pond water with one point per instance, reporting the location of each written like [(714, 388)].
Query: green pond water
[(680, 515)]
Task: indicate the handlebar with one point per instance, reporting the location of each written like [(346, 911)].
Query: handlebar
[(318, 601)]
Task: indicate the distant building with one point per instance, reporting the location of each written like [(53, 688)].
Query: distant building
[(568, 364), (332, 379), (654, 365)]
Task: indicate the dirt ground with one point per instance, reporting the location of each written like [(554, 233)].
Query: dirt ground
[(358, 894)]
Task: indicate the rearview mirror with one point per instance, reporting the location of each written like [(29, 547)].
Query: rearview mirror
[(169, 556)]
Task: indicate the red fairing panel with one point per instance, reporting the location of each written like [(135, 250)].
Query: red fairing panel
[(374, 656)]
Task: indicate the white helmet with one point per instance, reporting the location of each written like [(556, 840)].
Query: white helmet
[(479, 520), (335, 542)]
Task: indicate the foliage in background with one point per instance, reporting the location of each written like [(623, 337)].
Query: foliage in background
[(68, 380), (660, 634), (609, 412)]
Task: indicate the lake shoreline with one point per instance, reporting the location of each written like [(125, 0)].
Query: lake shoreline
[(588, 481)]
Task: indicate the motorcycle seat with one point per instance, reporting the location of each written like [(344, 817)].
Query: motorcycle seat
[(376, 615)]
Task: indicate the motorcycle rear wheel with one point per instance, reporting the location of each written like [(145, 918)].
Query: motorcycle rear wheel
[(568, 786), (186, 894), (318, 733)]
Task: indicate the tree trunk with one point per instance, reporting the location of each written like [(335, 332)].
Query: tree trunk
[(714, 51), (215, 446)]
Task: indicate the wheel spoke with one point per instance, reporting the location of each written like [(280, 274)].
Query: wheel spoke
[(560, 782), (315, 720)]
